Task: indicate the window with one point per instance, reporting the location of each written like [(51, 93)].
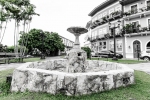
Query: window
[(96, 33), (119, 45), (148, 46), (93, 35), (135, 24), (100, 16), (111, 10), (111, 45), (100, 32), (149, 23), (117, 31), (104, 31), (104, 14), (100, 43), (118, 8), (104, 45), (100, 46), (148, 3), (133, 9)]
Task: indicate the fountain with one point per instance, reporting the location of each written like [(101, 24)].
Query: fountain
[(73, 76), (76, 57)]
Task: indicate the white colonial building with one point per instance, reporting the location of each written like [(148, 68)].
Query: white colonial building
[(133, 34), (68, 43)]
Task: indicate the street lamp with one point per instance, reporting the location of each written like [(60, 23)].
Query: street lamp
[(42, 54), (113, 27)]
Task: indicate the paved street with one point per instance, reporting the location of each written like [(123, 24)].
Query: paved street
[(141, 67), (9, 66)]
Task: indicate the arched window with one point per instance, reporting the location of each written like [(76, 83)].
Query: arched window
[(148, 46)]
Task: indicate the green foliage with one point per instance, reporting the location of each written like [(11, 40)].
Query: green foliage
[(5, 87), (17, 9), (88, 51), (128, 28), (45, 42), (10, 49)]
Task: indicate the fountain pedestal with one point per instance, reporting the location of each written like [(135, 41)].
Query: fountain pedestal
[(76, 57), (76, 61)]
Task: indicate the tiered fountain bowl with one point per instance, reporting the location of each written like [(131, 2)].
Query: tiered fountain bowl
[(72, 76)]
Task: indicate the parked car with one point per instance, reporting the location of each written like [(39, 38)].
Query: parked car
[(93, 54), (28, 56), (109, 54), (145, 55)]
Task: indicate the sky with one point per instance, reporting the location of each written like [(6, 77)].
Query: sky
[(57, 16)]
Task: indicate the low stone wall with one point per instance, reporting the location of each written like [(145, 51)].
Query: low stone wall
[(60, 65), (41, 77)]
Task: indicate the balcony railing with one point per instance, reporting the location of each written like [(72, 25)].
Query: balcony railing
[(105, 19), (114, 15), (130, 28), (137, 12)]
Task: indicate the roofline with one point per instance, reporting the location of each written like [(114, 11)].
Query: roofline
[(107, 3), (101, 6)]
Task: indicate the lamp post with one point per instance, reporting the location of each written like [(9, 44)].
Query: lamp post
[(113, 27), (42, 36)]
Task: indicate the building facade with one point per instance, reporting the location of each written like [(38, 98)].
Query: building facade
[(132, 34), (68, 44)]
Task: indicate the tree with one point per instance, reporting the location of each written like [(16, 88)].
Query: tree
[(46, 42), (20, 11), (87, 50)]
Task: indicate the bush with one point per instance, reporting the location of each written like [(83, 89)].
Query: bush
[(87, 50), (4, 88)]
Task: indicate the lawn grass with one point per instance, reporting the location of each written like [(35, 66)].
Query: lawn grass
[(138, 91), (31, 59), (123, 61), (24, 60), (4, 74)]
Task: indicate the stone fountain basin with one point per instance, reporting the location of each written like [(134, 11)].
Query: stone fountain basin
[(50, 76)]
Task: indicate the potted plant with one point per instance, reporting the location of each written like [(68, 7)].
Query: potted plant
[(138, 27), (144, 29), (128, 28), (107, 16), (126, 13)]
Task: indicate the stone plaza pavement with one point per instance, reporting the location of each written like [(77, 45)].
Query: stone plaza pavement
[(145, 67), (141, 67)]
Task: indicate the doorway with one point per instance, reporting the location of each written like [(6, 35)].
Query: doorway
[(136, 49)]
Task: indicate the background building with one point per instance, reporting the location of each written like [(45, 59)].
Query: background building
[(68, 44), (132, 34)]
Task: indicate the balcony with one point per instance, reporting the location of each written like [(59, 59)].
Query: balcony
[(138, 13), (113, 16), (130, 30)]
